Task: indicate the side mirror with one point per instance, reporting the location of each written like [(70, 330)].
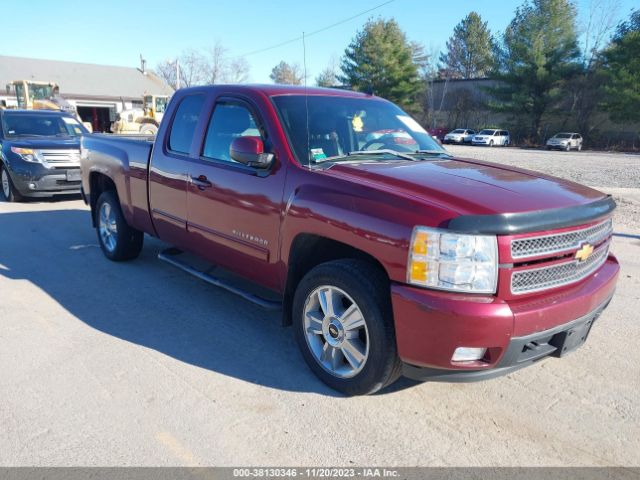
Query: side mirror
[(250, 151)]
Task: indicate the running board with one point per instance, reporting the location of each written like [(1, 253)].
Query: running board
[(169, 255)]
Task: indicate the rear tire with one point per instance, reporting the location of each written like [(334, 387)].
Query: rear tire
[(9, 192), (117, 239), (343, 324), (148, 129)]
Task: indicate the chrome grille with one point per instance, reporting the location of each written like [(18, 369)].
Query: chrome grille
[(559, 242), (543, 278), (67, 156)]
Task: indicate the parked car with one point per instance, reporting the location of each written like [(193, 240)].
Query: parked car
[(492, 138), (565, 141), (459, 135), (40, 153), (438, 133), (387, 258)]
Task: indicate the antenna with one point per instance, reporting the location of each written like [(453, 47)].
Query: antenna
[(306, 95)]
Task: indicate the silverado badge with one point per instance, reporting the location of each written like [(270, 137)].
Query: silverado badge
[(584, 252)]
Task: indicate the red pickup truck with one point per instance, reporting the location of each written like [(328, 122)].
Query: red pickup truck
[(387, 255)]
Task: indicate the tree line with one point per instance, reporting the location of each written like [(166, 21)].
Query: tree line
[(544, 64)]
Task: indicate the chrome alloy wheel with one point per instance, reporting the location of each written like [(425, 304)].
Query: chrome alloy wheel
[(107, 227), (6, 188), (336, 331)]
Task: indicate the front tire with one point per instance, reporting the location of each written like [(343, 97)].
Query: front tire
[(9, 192), (491, 143), (343, 324), (117, 239)]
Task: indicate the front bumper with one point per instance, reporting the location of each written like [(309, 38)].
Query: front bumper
[(39, 181), (430, 325)]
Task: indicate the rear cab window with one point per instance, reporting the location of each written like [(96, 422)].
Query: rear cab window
[(184, 124)]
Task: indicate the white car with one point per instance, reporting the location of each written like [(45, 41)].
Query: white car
[(492, 137), (459, 135), (565, 141)]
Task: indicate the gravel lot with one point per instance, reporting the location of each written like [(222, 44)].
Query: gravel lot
[(140, 364), (617, 174)]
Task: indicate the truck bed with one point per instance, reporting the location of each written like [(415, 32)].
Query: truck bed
[(128, 155)]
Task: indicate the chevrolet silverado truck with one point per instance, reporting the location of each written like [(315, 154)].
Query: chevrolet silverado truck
[(386, 254)]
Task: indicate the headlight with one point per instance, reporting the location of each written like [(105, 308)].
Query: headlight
[(28, 154), (451, 261)]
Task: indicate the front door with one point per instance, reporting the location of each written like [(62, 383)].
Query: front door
[(233, 217)]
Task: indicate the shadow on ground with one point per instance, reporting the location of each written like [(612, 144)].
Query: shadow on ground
[(151, 304)]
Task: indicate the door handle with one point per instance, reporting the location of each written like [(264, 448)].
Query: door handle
[(201, 182)]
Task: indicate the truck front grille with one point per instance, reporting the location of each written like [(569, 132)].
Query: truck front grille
[(558, 274), (560, 242), (62, 156)]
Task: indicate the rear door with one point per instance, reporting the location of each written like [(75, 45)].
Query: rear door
[(169, 171), (234, 210)]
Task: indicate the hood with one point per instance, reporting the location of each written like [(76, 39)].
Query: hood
[(469, 187), (44, 143)]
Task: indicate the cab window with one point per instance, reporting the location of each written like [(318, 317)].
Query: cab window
[(230, 120), (184, 123)]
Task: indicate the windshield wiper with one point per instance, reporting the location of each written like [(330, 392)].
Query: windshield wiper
[(384, 151), (433, 152)]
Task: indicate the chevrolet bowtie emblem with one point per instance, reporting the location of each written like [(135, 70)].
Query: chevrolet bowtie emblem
[(584, 252)]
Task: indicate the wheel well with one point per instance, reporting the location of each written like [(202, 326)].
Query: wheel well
[(99, 183), (308, 251)]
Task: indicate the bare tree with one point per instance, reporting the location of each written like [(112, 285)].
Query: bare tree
[(193, 68), (216, 63), (237, 71), (597, 27), (329, 76), (204, 67), (166, 70)]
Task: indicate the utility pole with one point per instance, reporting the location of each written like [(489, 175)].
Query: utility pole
[(177, 74)]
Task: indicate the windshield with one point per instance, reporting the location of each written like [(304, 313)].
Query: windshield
[(161, 104), (15, 125), (563, 135), (458, 131), (340, 125), (40, 92), (486, 132)]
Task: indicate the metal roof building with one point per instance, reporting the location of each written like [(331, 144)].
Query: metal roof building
[(98, 91)]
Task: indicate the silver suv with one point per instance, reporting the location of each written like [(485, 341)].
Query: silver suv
[(565, 141), (459, 135)]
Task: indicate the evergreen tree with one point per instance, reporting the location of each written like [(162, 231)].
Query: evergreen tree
[(622, 64), (470, 50), (287, 74), (538, 56), (382, 60)]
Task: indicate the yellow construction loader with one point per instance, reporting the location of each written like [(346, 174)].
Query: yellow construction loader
[(143, 121)]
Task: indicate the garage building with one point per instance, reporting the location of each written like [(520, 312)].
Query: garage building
[(99, 92)]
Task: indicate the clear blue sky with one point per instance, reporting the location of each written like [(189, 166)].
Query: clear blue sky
[(116, 32)]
